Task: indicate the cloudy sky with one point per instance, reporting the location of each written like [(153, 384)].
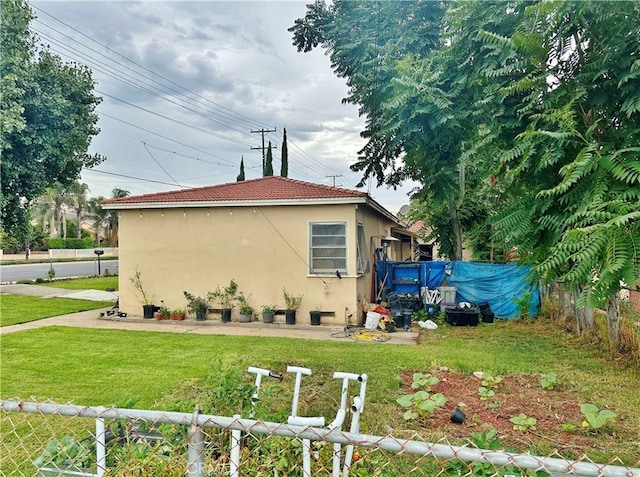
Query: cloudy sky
[(185, 83)]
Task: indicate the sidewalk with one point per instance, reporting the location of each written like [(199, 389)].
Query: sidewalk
[(92, 319)]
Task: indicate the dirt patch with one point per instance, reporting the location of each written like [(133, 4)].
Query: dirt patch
[(552, 409)]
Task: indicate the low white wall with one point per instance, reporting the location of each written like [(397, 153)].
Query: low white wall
[(81, 252)]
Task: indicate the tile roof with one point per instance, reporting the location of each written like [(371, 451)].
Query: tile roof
[(272, 188)]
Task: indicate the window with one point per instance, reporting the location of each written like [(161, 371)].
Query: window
[(363, 252), (328, 247)]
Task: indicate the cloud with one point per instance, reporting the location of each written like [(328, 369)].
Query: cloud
[(220, 70)]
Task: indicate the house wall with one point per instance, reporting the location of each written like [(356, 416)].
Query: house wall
[(263, 248)]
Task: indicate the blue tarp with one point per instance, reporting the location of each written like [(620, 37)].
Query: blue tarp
[(499, 285), (430, 273)]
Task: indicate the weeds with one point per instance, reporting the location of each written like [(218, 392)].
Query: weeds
[(523, 423), (594, 417)]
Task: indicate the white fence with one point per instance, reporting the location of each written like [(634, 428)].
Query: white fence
[(81, 252)]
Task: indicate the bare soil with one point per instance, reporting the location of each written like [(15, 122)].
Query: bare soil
[(552, 409)]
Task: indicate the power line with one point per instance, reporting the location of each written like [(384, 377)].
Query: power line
[(151, 86), (160, 166), (239, 115)]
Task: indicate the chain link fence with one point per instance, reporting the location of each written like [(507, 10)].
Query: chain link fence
[(48, 439)]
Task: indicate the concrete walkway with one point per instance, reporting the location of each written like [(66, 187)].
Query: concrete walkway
[(93, 319)]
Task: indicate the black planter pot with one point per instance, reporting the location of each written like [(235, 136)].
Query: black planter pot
[(315, 317), (290, 317), (201, 315), (226, 315), (148, 311), (457, 416)]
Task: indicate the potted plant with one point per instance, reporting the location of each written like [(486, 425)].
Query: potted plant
[(163, 313), (246, 310), (226, 296), (315, 316), (65, 456), (148, 308), (199, 305), (177, 314), (292, 303), (268, 312)]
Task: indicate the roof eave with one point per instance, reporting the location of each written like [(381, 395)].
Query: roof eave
[(233, 203)]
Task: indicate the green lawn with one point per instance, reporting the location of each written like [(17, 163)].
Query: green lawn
[(161, 370), (90, 283), (16, 309)]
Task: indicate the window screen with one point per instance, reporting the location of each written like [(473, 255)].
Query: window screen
[(328, 247)]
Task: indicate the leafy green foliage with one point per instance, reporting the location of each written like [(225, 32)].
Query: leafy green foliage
[(268, 165), (522, 133), (57, 242), (48, 117), (523, 423), (66, 451), (422, 403), (595, 417), (548, 381), (485, 393)]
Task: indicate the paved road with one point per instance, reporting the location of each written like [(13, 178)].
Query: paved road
[(31, 271)]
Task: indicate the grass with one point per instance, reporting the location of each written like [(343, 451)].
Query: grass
[(89, 283), (104, 367), (15, 309), (175, 371)]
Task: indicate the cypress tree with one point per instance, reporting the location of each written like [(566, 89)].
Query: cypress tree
[(268, 167), (284, 167), (241, 175)]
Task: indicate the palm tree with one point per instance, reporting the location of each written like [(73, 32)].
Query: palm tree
[(78, 199), (116, 193), (52, 204), (97, 215)]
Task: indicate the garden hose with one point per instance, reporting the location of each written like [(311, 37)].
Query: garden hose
[(368, 335)]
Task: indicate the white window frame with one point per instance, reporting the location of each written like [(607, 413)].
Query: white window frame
[(363, 262), (344, 247)]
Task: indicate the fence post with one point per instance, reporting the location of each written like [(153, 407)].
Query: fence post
[(101, 449), (195, 447)]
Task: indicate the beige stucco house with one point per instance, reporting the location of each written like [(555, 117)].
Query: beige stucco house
[(266, 234)]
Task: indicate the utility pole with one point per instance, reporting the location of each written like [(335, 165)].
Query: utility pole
[(263, 131), (334, 176)]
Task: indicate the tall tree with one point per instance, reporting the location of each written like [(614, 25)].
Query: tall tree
[(113, 225), (419, 104), (284, 163), (527, 110), (54, 202), (241, 175), (579, 159), (47, 118), (268, 166), (78, 200), (98, 217)]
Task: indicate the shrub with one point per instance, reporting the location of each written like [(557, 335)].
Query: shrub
[(69, 243)]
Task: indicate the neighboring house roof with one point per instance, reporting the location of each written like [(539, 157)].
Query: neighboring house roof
[(273, 190)]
